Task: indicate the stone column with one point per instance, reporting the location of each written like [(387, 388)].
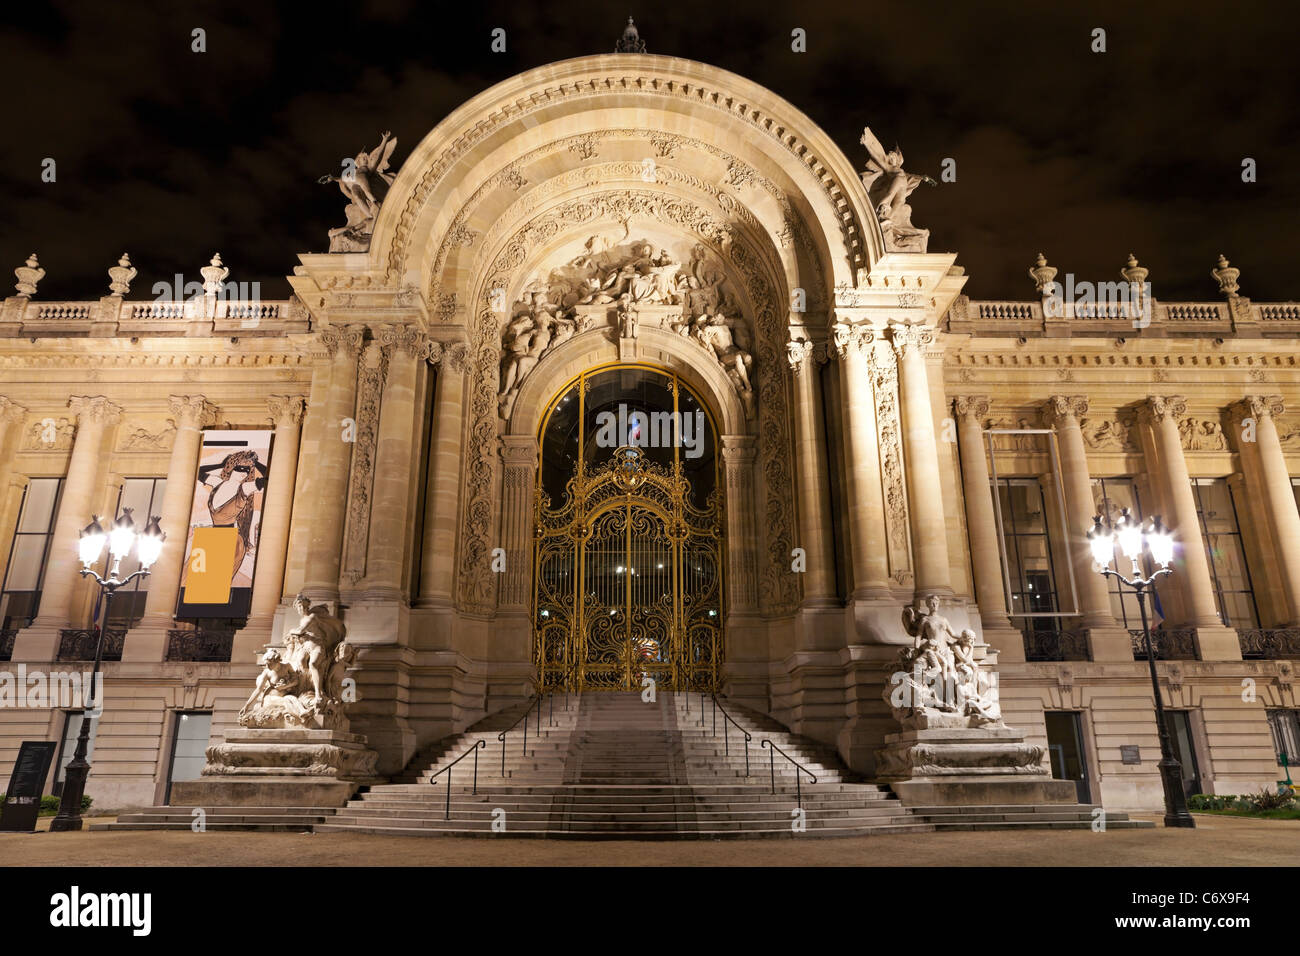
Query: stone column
[(41, 641), (193, 413), (1062, 413), (1265, 459), (738, 456), (442, 491), (924, 489), (1161, 414), (287, 412), (147, 641), (519, 455), (11, 414), (813, 474), (982, 526), (395, 472), (864, 498), (332, 464)]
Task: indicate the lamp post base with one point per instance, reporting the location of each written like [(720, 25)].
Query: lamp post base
[(1176, 814)]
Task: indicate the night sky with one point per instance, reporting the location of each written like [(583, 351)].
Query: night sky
[(171, 155)]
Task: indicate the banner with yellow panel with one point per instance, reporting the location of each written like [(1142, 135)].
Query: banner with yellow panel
[(225, 521)]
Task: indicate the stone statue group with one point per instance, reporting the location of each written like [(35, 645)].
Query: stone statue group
[(302, 685), (939, 677)]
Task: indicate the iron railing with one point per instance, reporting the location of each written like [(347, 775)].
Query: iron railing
[(535, 703), (771, 766), (78, 644), (200, 644), (727, 719), (1168, 644), (433, 779), (1269, 643), (1058, 645)]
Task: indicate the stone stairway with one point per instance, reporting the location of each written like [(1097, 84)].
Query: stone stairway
[(612, 766)]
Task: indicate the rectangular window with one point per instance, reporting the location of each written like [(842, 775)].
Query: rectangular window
[(71, 730), (1027, 549), (1110, 497), (144, 497), (188, 747), (1229, 575), (30, 552), (1285, 725)]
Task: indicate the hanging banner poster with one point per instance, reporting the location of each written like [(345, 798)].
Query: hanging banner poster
[(225, 522)]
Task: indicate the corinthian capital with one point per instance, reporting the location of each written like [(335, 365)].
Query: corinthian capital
[(95, 409), (409, 339), (192, 411), (11, 411), (1159, 407), (905, 337), (454, 358), (286, 410), (852, 339), (346, 337), (1257, 407), (972, 406), (1062, 410)]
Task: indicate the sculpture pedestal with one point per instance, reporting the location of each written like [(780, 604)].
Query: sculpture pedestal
[(947, 762), (281, 768)]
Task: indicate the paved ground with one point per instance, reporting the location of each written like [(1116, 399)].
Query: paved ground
[(1217, 841)]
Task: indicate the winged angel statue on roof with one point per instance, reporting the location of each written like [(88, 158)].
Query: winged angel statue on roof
[(888, 185), (361, 184)]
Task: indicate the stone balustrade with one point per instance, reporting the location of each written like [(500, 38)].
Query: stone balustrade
[(1233, 317), (200, 315)]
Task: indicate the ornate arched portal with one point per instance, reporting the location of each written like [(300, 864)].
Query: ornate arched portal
[(629, 559)]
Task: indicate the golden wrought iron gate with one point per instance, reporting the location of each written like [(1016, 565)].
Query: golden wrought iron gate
[(628, 565)]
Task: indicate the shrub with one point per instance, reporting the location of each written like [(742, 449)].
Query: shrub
[(50, 804), (1271, 800)]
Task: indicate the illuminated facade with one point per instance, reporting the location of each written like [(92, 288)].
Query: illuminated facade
[(660, 234)]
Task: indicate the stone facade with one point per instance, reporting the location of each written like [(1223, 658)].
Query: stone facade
[(400, 474)]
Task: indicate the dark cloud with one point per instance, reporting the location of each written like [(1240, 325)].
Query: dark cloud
[(172, 155)]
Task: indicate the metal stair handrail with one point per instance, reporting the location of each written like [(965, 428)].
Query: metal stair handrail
[(726, 744), (766, 742), (535, 703), (433, 778)]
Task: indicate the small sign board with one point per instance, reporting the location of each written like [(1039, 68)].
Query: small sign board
[(23, 797), (1128, 754)]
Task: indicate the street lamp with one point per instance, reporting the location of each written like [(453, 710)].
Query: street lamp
[(1132, 539), (120, 539)]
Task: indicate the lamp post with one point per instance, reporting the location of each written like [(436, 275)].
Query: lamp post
[(1156, 541), (90, 546)]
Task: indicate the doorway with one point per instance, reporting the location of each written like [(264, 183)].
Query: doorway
[(1066, 750), (628, 570)]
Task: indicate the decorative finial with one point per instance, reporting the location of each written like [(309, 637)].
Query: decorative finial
[(1134, 274), (630, 41), (1226, 275), (214, 275), (1042, 274), (28, 276), (121, 276)]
